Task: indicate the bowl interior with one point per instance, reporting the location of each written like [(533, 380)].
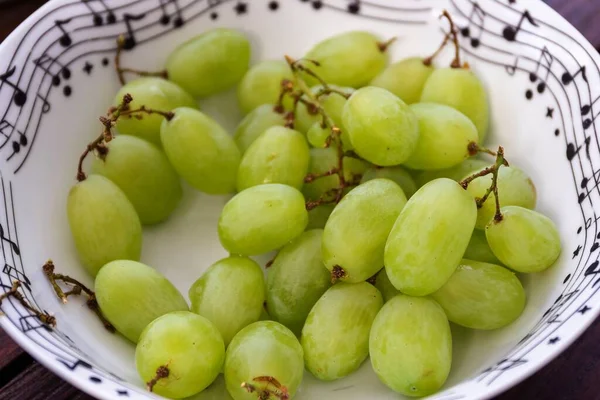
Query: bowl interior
[(537, 126)]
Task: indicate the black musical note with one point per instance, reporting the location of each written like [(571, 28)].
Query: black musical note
[(583, 310), (241, 8), (510, 32), (110, 16), (567, 278), (576, 252), (16, 275), (19, 97), (589, 121), (477, 18), (45, 106), (588, 222), (14, 246), (45, 62), (586, 109), (65, 39), (572, 152), (567, 77), (166, 18), (130, 41), (16, 145), (547, 59), (354, 7), (511, 69)]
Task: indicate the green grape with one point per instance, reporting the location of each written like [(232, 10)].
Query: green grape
[(103, 222), (524, 240), (332, 103), (131, 295), (515, 188), (317, 137), (461, 89), (254, 124), (211, 62), (263, 350), (155, 93), (349, 59), (396, 174), (444, 137), (405, 79), (186, 345), (318, 216), (455, 173), (355, 234), (382, 128), (144, 174), (479, 249), (216, 391), (230, 294), (262, 84), (430, 237), (481, 296), (279, 155), (411, 345), (261, 219), (382, 282), (321, 161), (201, 151), (296, 280), (335, 337)]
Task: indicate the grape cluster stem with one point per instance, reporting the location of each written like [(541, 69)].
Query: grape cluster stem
[(76, 289), (121, 70), (44, 317), (278, 391), (161, 373), (108, 122), (452, 34)]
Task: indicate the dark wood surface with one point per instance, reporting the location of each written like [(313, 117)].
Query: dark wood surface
[(573, 375)]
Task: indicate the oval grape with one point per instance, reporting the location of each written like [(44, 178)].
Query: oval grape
[(406, 79), (103, 222), (456, 173), (254, 124), (262, 84), (479, 249), (333, 104), (385, 287), (396, 174)]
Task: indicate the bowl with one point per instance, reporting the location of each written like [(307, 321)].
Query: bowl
[(57, 76)]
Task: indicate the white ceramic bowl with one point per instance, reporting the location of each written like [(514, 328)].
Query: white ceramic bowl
[(57, 77)]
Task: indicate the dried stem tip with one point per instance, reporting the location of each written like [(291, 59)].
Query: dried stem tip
[(161, 373), (337, 273)]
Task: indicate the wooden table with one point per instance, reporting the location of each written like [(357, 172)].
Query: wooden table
[(573, 375)]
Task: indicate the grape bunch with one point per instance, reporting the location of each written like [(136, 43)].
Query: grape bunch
[(368, 179)]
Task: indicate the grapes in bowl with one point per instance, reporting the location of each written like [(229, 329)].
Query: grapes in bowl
[(312, 199)]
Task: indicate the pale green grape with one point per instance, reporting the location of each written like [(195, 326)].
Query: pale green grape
[(188, 346), (262, 84), (279, 155), (254, 124), (444, 137), (411, 345), (155, 93), (321, 161), (263, 349), (355, 234), (405, 79), (131, 295), (479, 249), (332, 103), (515, 188), (103, 222), (382, 128), (460, 88), (230, 294), (211, 62), (296, 280), (396, 174), (430, 237), (144, 174), (261, 219), (524, 240), (318, 216), (201, 151), (317, 137), (455, 173), (349, 59), (335, 337), (382, 282), (481, 296)]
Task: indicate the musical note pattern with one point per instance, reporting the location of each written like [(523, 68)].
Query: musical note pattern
[(502, 38)]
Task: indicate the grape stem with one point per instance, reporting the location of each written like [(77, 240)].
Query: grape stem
[(44, 317), (383, 46), (161, 373), (429, 60), (473, 148), (493, 170), (278, 391), (121, 71), (77, 288), (98, 145), (300, 92)]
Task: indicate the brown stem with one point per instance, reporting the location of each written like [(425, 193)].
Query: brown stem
[(144, 110), (77, 288), (337, 273), (121, 71), (454, 34), (312, 177), (429, 60), (383, 46), (161, 373), (44, 317), (278, 391)]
